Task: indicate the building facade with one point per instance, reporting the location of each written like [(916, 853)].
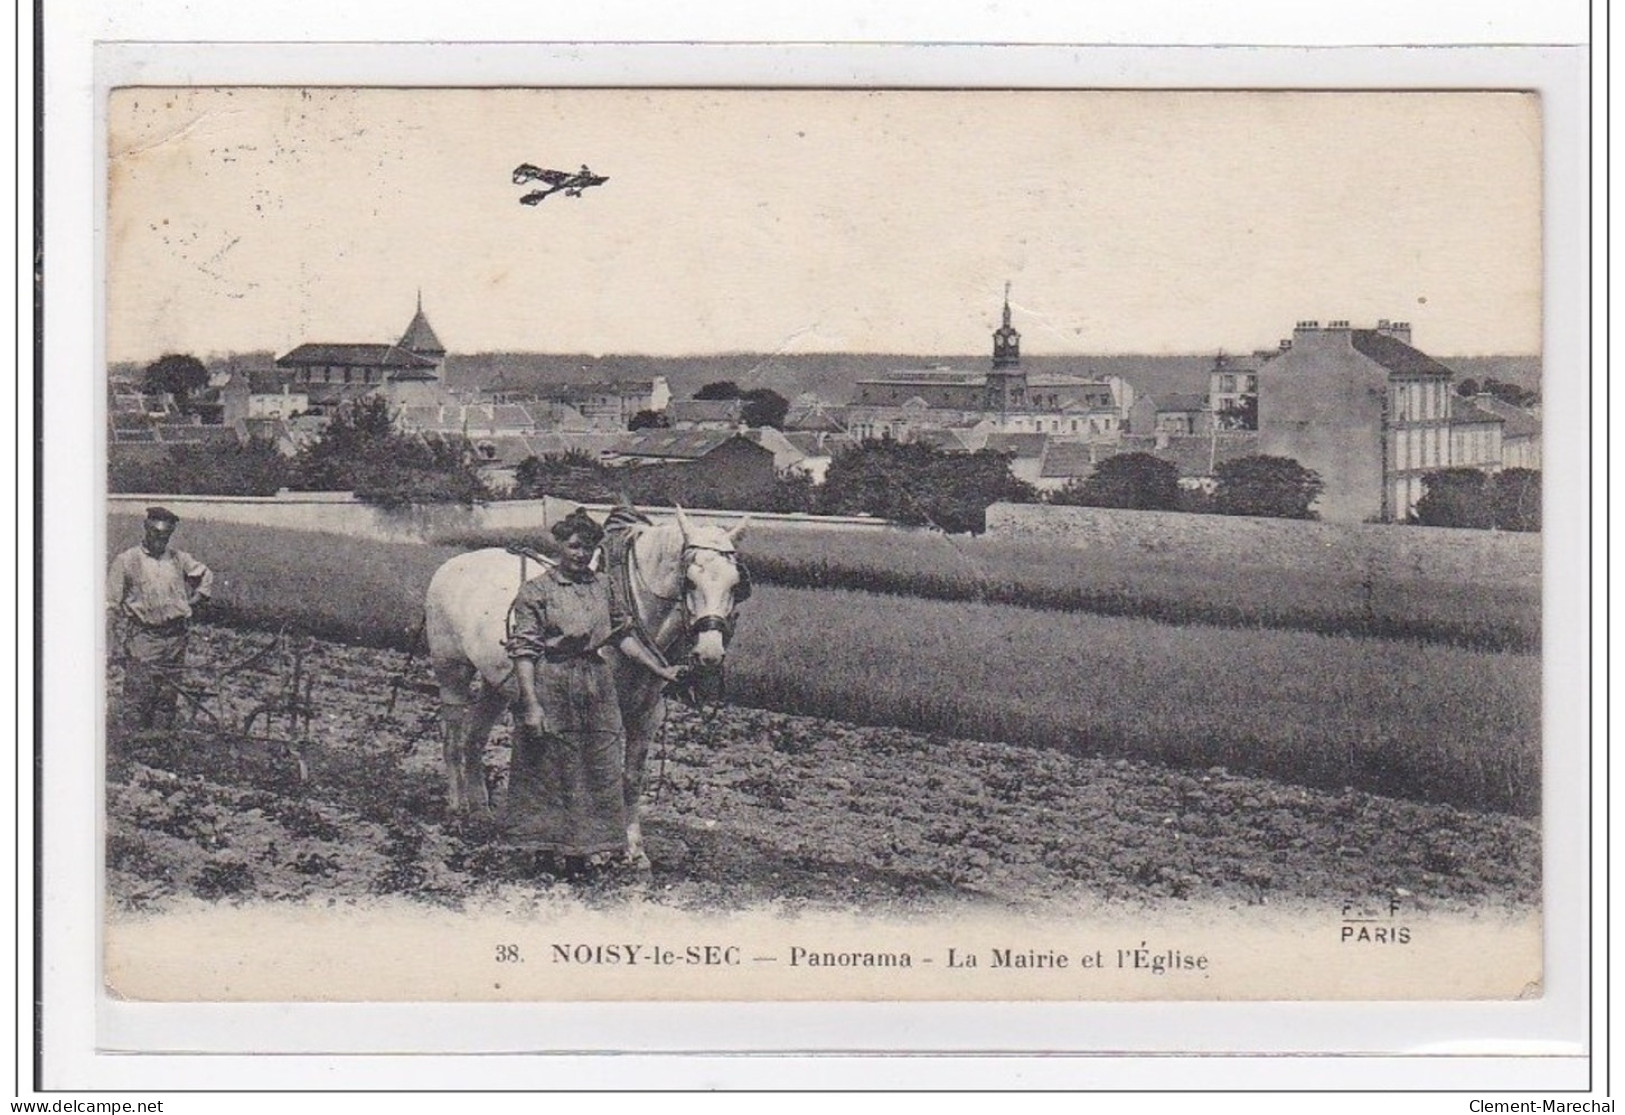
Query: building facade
[(407, 373), (1004, 399), (1364, 409)]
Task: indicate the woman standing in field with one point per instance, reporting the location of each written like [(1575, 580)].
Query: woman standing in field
[(565, 781)]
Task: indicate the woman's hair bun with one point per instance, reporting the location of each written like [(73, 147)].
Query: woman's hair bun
[(578, 522)]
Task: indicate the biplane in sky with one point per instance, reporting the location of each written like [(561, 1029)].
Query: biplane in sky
[(556, 180)]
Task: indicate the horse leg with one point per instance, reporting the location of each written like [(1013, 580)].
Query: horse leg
[(456, 681), (641, 722), (488, 709)]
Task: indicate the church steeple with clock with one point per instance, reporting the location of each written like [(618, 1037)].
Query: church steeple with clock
[(1006, 341), (1006, 383)]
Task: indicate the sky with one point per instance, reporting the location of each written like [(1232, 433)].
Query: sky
[(819, 221)]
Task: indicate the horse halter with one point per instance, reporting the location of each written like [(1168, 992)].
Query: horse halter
[(724, 625), (692, 626)]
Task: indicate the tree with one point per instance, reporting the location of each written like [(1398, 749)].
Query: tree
[(1138, 481), (1509, 392), (176, 375), (360, 436), (1271, 487), (361, 451), (575, 475), (721, 389), (764, 407), (1467, 388), (650, 420), (1455, 497), (920, 485), (1515, 499)]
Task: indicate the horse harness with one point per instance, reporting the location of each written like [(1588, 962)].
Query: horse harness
[(701, 682)]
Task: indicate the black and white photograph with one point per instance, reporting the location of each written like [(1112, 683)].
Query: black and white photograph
[(822, 544)]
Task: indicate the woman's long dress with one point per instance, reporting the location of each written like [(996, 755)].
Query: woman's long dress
[(565, 782)]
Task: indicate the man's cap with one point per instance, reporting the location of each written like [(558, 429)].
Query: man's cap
[(163, 516)]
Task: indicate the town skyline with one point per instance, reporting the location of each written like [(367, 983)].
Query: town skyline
[(816, 222)]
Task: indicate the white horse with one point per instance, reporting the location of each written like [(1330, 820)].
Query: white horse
[(682, 580)]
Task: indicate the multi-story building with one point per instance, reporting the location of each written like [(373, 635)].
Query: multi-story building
[(1004, 399), (1232, 389), (261, 393), (1475, 436), (1364, 409), (1177, 414), (407, 373), (1520, 432), (612, 404)]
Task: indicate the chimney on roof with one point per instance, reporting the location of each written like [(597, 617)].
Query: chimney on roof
[(1311, 334), (1399, 330)]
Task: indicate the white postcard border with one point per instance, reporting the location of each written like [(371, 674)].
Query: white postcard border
[(71, 821)]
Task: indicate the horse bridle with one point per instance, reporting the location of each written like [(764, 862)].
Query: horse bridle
[(723, 625), (695, 626)]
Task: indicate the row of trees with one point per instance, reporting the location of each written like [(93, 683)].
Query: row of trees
[(360, 452), (920, 485), (1273, 487), (912, 484), (1506, 392), (580, 476), (1466, 497)]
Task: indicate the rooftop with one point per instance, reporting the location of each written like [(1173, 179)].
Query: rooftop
[(1028, 446), (1395, 355), (1180, 403), (1519, 422), (1197, 454), (1064, 460), (688, 445), (419, 336), (1465, 412), (705, 410), (935, 377), (358, 356)]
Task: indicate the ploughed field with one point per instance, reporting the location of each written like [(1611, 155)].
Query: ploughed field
[(751, 807), (1393, 683)]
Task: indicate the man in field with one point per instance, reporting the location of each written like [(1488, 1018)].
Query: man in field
[(152, 594)]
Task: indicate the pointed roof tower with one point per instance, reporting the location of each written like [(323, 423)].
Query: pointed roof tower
[(1006, 341), (419, 336)]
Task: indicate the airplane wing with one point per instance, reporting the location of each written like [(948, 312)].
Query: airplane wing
[(535, 197), (525, 172)]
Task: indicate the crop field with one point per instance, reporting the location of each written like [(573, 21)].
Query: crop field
[(1410, 717), (1128, 581), (750, 807)]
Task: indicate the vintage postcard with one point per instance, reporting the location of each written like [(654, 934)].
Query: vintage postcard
[(839, 544)]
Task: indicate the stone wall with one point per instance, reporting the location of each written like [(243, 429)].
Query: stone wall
[(1424, 553), (342, 513)]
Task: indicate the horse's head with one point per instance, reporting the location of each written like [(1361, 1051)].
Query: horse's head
[(714, 584)]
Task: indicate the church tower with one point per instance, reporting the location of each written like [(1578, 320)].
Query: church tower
[(421, 384), (420, 338), (1006, 383), (1006, 341)]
